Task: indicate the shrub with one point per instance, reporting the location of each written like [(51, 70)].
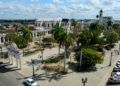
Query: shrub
[(54, 59), (90, 58), (4, 55), (47, 40), (36, 43), (109, 47)]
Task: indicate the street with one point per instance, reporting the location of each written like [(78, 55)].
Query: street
[(9, 78)]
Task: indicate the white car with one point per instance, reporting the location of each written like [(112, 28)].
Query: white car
[(31, 82)]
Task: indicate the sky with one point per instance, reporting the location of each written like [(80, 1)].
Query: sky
[(79, 9)]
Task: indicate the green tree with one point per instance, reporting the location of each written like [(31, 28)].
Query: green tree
[(90, 58), (67, 41), (47, 40), (21, 42), (11, 36), (18, 39), (58, 31), (109, 24), (116, 26), (112, 37), (27, 34), (85, 38), (95, 26), (41, 36)]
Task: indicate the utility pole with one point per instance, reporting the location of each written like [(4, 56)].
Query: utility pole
[(111, 58), (80, 58), (33, 62), (42, 50)]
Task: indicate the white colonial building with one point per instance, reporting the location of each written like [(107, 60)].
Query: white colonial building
[(105, 21), (47, 24), (38, 25)]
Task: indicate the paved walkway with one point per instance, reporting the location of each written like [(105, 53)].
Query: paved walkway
[(97, 78)]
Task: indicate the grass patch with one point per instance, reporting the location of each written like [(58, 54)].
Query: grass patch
[(58, 69)]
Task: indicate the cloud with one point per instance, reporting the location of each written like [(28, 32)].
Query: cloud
[(95, 2), (57, 1), (34, 0), (62, 8), (73, 1)]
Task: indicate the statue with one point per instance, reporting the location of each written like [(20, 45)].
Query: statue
[(13, 51)]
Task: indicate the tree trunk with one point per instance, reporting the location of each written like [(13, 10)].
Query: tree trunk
[(9, 60), (42, 57), (20, 62), (16, 62), (12, 60), (80, 58), (59, 49), (65, 55)]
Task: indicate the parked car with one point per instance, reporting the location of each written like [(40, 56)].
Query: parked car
[(116, 69), (117, 66), (118, 62), (30, 82), (116, 76), (112, 81)]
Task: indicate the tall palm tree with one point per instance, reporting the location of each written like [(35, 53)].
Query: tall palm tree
[(57, 32), (27, 34), (67, 41)]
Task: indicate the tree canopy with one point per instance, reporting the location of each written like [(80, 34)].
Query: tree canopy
[(90, 58), (112, 37)]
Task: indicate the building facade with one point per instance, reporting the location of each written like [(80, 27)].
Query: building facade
[(46, 25), (36, 26)]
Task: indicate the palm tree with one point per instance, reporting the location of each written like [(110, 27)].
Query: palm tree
[(27, 34), (57, 32), (67, 41)]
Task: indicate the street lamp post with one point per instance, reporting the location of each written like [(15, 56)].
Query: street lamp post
[(33, 61), (1, 51), (84, 81), (111, 59), (42, 50), (80, 58), (119, 49)]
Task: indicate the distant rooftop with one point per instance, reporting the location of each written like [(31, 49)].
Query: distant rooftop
[(49, 19), (16, 20)]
